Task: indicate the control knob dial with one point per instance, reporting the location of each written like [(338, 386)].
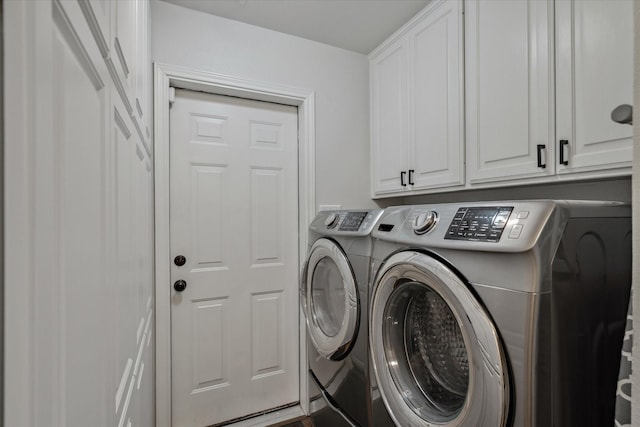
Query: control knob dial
[(424, 222), (331, 220)]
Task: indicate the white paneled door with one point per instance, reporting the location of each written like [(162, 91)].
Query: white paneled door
[(234, 218)]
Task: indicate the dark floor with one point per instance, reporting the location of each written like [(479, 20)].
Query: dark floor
[(296, 422)]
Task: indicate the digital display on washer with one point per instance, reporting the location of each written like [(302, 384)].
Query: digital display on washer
[(484, 224), (352, 221)]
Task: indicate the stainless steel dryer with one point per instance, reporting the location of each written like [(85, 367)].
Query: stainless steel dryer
[(505, 313), (335, 298)]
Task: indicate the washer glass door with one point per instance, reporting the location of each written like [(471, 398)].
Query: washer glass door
[(329, 299), (437, 356)]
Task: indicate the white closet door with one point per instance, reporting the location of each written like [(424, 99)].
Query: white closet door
[(234, 217)]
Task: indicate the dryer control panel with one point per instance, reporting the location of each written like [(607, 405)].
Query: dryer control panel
[(345, 223), (484, 223), (352, 221)]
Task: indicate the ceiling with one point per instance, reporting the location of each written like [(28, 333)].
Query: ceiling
[(356, 25)]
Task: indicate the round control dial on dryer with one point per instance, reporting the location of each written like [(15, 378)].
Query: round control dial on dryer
[(424, 222), (331, 220)]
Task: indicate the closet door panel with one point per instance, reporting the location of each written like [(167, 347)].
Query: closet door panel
[(80, 125)]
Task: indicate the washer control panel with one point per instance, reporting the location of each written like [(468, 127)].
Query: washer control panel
[(484, 223), (352, 221), (486, 226)]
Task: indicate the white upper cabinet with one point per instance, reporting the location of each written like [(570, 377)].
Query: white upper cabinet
[(436, 146), (523, 125), (416, 104), (509, 89), (594, 72), (389, 118)]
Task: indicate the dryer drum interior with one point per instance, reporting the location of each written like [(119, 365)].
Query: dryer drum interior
[(422, 336)]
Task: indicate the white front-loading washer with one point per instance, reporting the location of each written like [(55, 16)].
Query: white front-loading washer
[(507, 313)]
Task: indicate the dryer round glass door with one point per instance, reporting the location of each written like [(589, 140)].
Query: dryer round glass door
[(437, 356), (329, 298)]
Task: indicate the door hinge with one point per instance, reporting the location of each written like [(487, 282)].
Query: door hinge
[(172, 95)]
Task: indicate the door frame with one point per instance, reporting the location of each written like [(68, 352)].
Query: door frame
[(167, 77)]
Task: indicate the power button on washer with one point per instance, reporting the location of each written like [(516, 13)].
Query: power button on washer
[(515, 232)]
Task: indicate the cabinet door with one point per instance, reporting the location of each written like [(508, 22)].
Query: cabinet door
[(98, 14), (389, 119), (435, 95), (594, 48), (124, 49), (142, 61), (509, 90)]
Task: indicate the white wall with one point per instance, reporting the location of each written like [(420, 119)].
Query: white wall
[(339, 78)]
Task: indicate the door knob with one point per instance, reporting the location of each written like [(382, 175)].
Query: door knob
[(180, 260), (180, 285), (623, 114)]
